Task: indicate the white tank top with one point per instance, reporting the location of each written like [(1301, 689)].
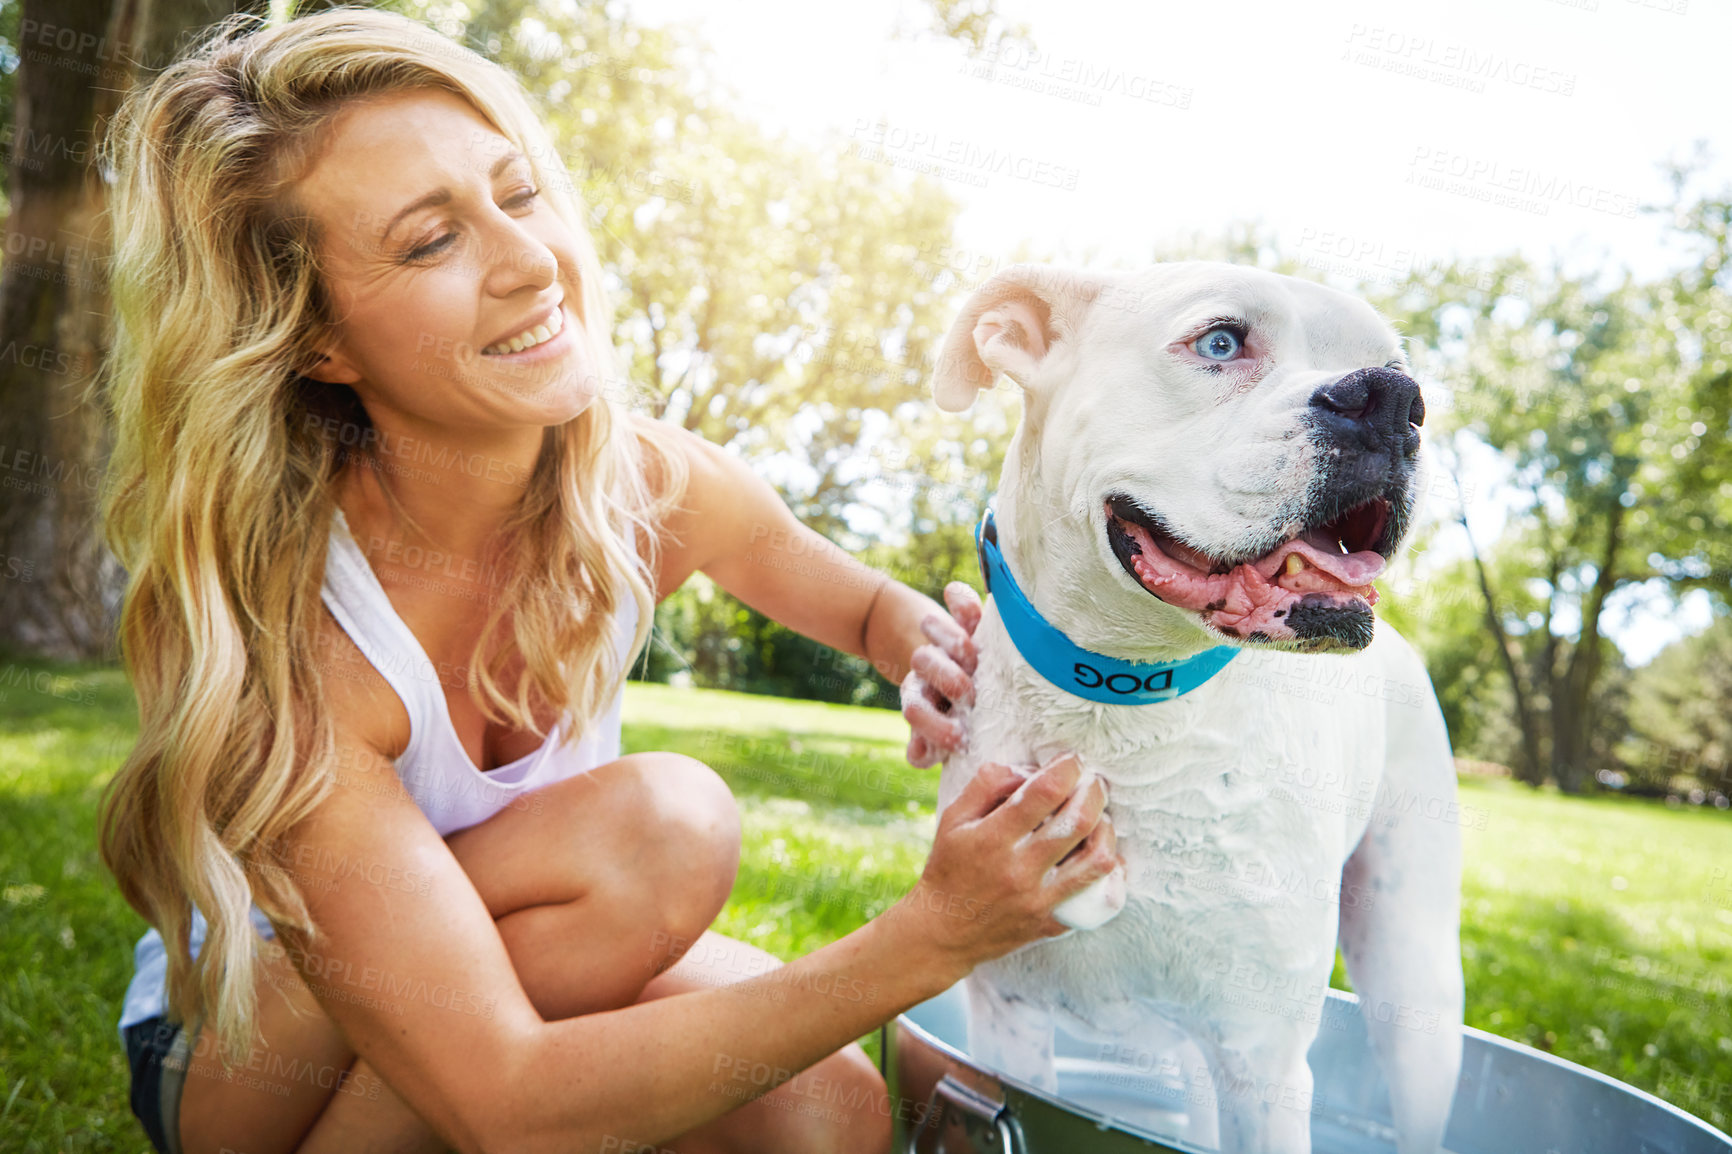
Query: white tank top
[(435, 768)]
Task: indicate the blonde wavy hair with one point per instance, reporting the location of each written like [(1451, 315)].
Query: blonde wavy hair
[(221, 488)]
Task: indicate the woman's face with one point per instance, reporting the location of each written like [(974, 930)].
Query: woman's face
[(440, 255)]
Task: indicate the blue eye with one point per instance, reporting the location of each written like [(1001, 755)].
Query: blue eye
[(1217, 345)]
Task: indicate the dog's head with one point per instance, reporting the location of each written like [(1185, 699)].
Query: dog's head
[(1235, 444)]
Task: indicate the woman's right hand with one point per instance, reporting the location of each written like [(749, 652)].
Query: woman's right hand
[(1008, 850)]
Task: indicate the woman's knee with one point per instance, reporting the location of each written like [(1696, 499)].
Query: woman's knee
[(628, 829), (684, 829)]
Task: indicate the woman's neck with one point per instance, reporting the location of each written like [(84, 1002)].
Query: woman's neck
[(462, 527)]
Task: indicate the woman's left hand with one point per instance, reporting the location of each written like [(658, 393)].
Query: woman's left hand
[(942, 673)]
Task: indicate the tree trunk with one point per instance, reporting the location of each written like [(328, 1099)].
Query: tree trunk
[(78, 58), (1531, 768), (1572, 713), (48, 464)]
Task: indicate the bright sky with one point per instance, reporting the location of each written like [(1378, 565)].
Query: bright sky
[(1368, 136)]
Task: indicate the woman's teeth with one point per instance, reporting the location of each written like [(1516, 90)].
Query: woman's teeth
[(529, 338)]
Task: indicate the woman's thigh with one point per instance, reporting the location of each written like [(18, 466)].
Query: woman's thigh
[(589, 886), (838, 1105)]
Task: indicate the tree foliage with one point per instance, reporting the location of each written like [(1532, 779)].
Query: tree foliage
[(1607, 398), (1681, 727)]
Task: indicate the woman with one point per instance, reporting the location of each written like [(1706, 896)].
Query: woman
[(390, 550)]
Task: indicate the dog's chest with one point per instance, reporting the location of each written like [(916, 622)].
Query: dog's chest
[(1235, 807), (1272, 742)]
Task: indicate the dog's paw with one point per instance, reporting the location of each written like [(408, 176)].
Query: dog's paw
[(1096, 905)]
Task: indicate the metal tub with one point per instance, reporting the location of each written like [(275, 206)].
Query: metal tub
[(1511, 1099)]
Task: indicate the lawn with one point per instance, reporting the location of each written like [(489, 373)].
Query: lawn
[(1598, 929)]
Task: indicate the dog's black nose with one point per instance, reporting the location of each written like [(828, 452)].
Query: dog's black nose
[(1371, 409)]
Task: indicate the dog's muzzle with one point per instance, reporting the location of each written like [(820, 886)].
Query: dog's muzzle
[(1314, 586)]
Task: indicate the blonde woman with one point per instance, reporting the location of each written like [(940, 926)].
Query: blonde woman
[(391, 548)]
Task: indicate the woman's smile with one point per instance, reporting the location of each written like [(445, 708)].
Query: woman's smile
[(546, 338)]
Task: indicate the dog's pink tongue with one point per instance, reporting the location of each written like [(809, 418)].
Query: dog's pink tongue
[(1256, 596)]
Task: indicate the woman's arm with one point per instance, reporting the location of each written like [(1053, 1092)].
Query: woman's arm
[(420, 983), (902, 620), (741, 533)]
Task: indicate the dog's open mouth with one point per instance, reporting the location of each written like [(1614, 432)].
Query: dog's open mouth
[(1314, 585)]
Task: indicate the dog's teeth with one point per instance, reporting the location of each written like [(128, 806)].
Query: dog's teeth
[(1295, 564)]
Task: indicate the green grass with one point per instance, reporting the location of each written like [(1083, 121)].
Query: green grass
[(65, 935), (1597, 929)]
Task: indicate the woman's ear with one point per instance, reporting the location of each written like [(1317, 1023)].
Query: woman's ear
[(1008, 326), (333, 369)]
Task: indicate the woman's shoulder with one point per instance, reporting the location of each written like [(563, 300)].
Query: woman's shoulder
[(660, 441), (686, 527), (368, 715), (706, 463), (676, 462)]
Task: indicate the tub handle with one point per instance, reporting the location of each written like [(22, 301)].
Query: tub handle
[(978, 1112)]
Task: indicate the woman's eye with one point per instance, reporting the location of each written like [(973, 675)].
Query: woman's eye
[(431, 247), (1217, 345)]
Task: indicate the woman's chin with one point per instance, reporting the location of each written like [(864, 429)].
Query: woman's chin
[(566, 399), (567, 386)]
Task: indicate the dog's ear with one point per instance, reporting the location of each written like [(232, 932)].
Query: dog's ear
[(1008, 326)]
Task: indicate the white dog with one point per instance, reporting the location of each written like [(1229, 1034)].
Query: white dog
[(1213, 464)]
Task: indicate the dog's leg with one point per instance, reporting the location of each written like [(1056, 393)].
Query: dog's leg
[(1010, 1035), (1202, 1107), (1401, 916), (1262, 1086)]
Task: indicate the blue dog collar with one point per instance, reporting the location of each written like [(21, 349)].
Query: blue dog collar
[(1067, 664)]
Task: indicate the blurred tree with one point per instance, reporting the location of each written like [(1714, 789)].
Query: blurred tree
[(1695, 487), (73, 60), (1678, 705), (782, 299), (977, 24), (1442, 614), (1595, 392), (1240, 242), (10, 49)]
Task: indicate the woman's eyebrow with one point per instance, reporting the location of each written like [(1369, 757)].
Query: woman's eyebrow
[(443, 195)]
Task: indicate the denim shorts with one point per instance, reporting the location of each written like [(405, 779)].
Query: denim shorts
[(159, 1052)]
